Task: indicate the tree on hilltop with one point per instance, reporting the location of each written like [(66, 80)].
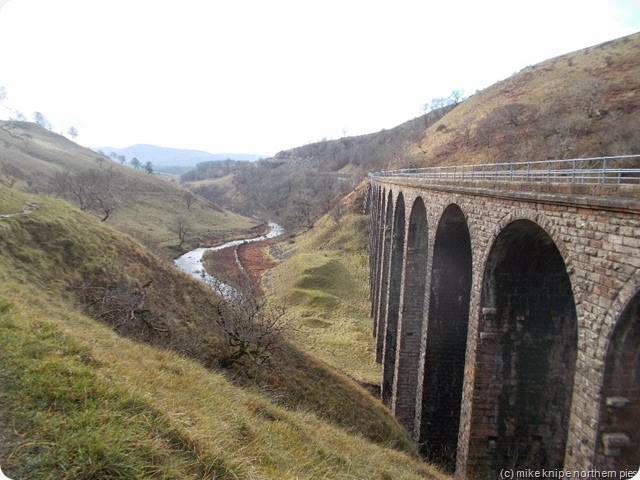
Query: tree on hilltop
[(41, 120), (72, 132)]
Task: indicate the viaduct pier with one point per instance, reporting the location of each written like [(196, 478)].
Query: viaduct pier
[(506, 307)]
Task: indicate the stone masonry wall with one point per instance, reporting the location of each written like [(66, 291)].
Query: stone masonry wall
[(598, 242)]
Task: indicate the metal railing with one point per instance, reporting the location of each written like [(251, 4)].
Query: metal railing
[(618, 169)]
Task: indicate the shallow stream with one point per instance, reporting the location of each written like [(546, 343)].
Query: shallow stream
[(191, 262)]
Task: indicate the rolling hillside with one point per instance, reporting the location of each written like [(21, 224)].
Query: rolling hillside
[(36, 160), (586, 103), (135, 390), (582, 104)]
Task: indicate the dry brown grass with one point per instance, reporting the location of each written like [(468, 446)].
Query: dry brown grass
[(556, 124), (169, 413)]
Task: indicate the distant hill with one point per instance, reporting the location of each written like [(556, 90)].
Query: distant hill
[(582, 104), (35, 160), (163, 157)]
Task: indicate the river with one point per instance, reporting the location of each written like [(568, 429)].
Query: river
[(191, 262)]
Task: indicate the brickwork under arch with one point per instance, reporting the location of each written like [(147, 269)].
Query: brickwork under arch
[(396, 268), (446, 338), (597, 245), (411, 317)]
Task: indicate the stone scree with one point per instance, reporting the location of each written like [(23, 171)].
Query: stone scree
[(507, 322)]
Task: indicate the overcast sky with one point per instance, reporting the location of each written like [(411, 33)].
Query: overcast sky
[(258, 76)]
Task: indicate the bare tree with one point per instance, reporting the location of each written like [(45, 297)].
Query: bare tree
[(589, 94), (119, 302), (457, 96), (189, 199), (148, 167), (182, 229), (9, 125), (302, 211), (512, 113), (135, 163), (72, 132), (253, 328), (438, 106), (94, 189), (41, 120)]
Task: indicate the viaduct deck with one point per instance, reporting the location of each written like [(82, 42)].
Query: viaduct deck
[(506, 306)]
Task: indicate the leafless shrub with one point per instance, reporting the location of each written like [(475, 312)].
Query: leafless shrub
[(119, 302), (252, 325), (253, 329), (588, 94)]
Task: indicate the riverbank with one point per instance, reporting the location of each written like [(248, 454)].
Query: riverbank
[(225, 270), (244, 263)]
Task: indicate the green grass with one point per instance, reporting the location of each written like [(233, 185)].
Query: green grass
[(152, 219), (324, 283), (86, 403), (148, 206), (11, 201), (78, 425), (79, 400)]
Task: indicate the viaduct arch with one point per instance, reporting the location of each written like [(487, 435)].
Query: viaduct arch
[(507, 316)]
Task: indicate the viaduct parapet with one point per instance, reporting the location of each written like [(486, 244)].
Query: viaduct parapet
[(506, 306)]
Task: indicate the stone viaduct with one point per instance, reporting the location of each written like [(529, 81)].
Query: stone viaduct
[(506, 313)]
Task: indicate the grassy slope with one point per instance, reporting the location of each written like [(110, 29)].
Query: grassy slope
[(80, 401), (324, 281), (149, 205), (555, 124)]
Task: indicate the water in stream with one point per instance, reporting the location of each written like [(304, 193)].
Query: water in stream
[(191, 262)]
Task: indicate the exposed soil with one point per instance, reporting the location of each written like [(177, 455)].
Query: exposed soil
[(254, 262), (255, 259)]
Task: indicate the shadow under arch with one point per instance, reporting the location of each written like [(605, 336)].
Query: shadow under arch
[(446, 338), (619, 438), (383, 277), (410, 328), (526, 354), (393, 301)]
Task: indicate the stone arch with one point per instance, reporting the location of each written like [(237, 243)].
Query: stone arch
[(618, 444), (393, 300), (383, 275), (446, 338), (525, 355), (550, 229), (375, 259), (410, 325)]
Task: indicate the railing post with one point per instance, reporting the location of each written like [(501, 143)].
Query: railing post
[(581, 170)]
